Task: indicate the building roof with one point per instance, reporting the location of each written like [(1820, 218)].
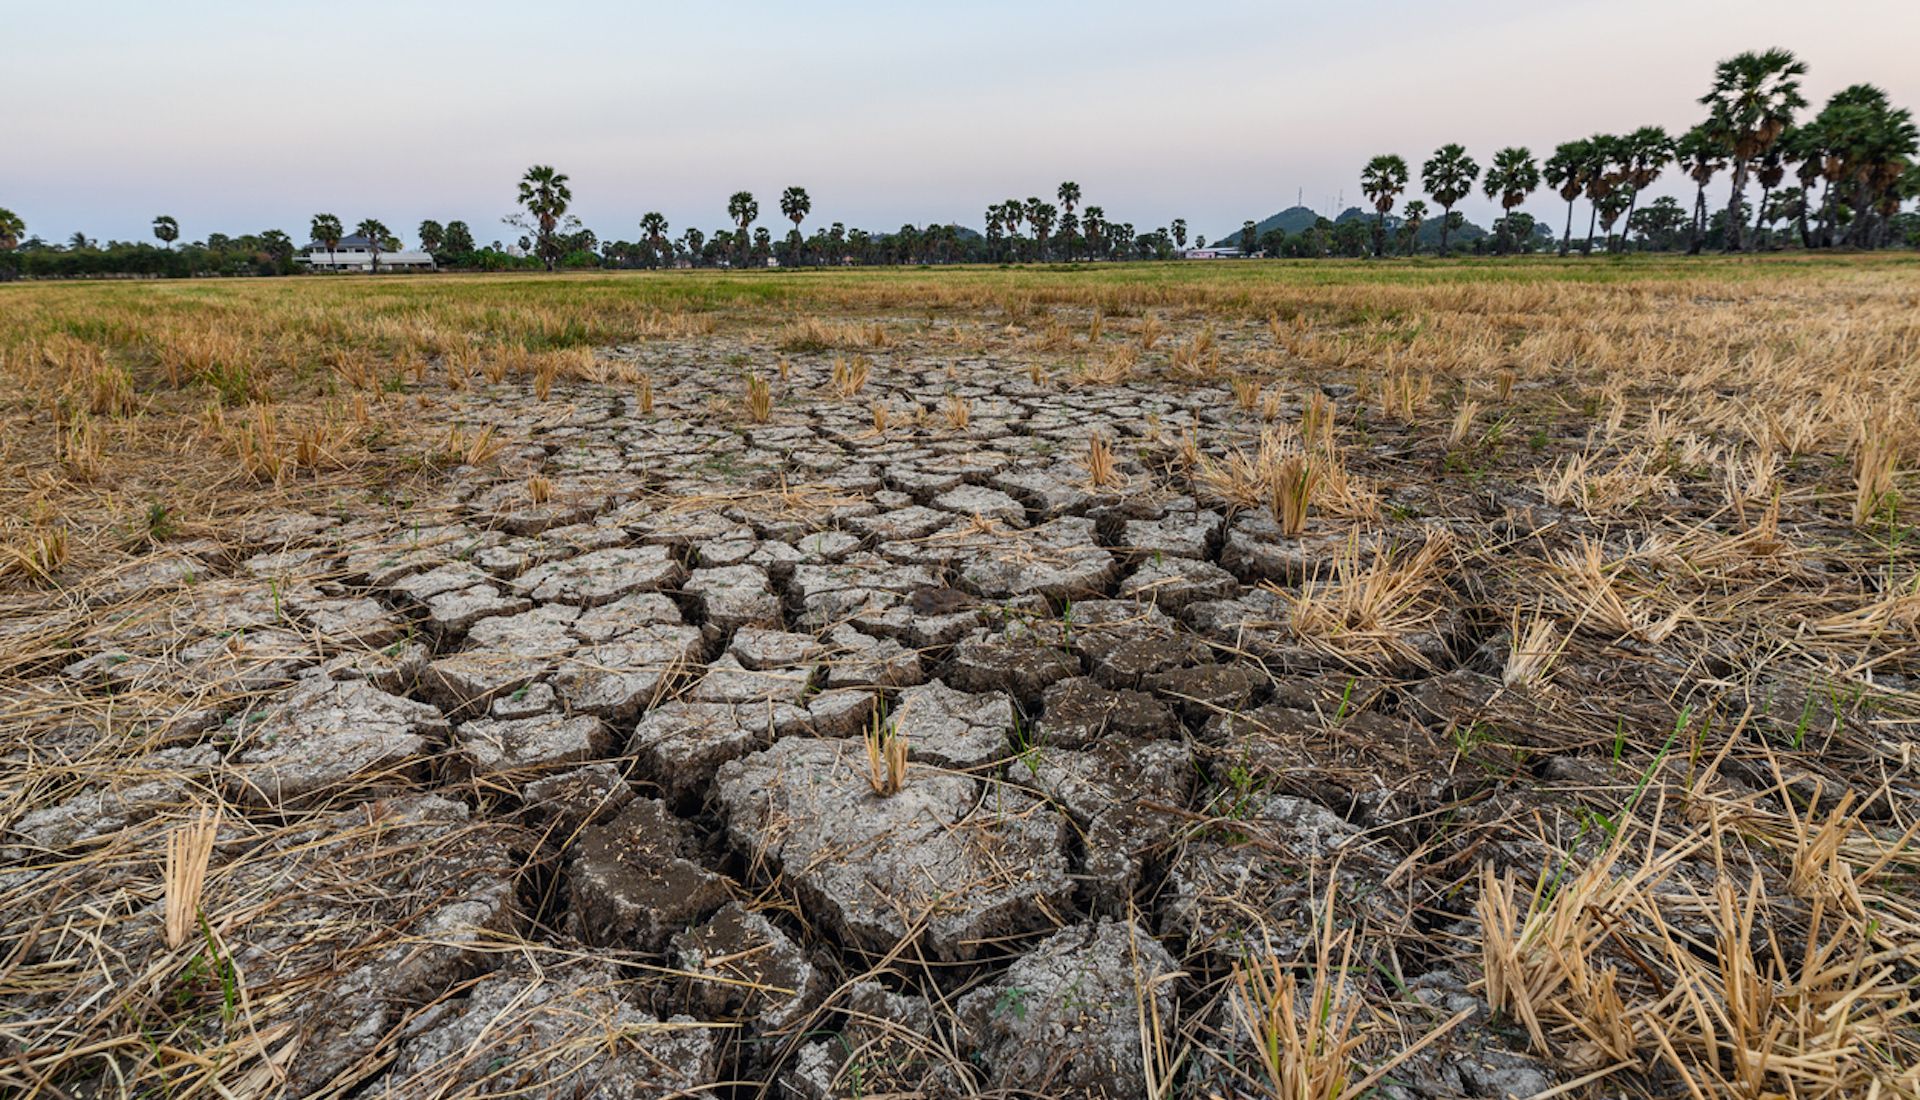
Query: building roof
[(352, 240), (400, 258)]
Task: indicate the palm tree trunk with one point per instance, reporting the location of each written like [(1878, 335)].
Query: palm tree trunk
[(1379, 233), (1735, 220), (1699, 233), (1566, 241), (1626, 227), (1446, 224), (1862, 223), (1593, 219)]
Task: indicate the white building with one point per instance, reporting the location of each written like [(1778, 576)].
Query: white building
[(355, 253)]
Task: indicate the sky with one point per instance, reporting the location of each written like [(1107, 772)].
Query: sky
[(237, 117)]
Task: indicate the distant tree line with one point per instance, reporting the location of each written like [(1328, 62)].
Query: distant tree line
[(1851, 167), (1836, 178)]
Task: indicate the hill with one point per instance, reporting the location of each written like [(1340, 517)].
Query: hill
[(1298, 219)]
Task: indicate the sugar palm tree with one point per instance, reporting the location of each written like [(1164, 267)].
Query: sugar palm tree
[(795, 204), (1069, 195), (1805, 146), (166, 229), (1751, 104), (1770, 170), (1041, 215), (326, 230), (1644, 154), (11, 227), (654, 225), (545, 195), (743, 209), (376, 235), (432, 235), (1610, 206), (1094, 225), (1602, 175), (1180, 233), (1702, 151), (1448, 176), (1382, 180), (1410, 223), (1565, 172), (1510, 179), (1869, 144), (994, 230)]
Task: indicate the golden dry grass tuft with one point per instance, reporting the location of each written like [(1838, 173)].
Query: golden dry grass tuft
[(1102, 470), (886, 747), (759, 399)]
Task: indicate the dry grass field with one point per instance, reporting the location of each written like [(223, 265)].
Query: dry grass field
[(1208, 680)]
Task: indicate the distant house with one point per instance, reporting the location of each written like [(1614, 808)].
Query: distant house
[(1211, 253), (355, 253)]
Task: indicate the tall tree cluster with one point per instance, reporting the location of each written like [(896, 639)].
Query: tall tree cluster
[(1858, 152)]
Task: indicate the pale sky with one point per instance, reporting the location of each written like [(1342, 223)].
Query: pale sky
[(236, 117)]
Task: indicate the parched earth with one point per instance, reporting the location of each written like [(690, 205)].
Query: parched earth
[(553, 782)]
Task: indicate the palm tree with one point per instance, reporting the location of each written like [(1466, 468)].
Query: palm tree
[(1041, 215), (326, 230), (432, 236), (694, 240), (795, 204), (654, 225), (1702, 151), (1448, 176), (376, 234), (79, 241), (1094, 224), (545, 195), (1750, 105), (1644, 154), (1609, 207), (742, 208), (1869, 144), (1806, 146), (11, 227), (1565, 171), (1602, 174), (1012, 213), (1770, 170), (994, 230), (1512, 177), (167, 229), (1180, 233), (1069, 195), (1382, 180), (1410, 223)]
